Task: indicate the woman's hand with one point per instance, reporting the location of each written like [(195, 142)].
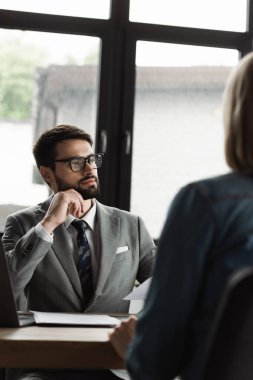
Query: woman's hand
[(122, 336)]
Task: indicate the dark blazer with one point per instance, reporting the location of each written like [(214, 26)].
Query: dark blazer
[(47, 273), (208, 235)]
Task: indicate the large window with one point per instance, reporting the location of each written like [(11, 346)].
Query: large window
[(178, 132), (80, 8), (45, 80), (145, 78), (208, 14)]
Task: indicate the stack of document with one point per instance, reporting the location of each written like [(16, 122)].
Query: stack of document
[(71, 319)]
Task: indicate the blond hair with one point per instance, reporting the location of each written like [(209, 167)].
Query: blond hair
[(238, 116)]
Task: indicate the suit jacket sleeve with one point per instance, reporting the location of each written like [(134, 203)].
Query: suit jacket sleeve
[(24, 250), (163, 331), (147, 253)]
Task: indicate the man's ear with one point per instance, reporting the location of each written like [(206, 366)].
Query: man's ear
[(46, 174)]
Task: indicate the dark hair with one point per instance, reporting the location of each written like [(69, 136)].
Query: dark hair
[(238, 116), (44, 150)]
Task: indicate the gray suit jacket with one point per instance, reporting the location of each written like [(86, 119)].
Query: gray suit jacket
[(46, 273)]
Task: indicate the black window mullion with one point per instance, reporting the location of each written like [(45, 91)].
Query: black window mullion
[(249, 21), (127, 122), (113, 74), (189, 36), (247, 46), (53, 23), (108, 118)]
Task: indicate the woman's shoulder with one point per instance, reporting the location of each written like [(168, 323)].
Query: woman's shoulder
[(232, 184)]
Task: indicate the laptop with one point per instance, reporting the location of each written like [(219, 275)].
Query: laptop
[(9, 316)]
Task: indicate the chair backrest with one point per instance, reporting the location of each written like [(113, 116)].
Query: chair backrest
[(229, 354), (2, 374)]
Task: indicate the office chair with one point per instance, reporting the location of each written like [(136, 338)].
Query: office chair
[(229, 354), (2, 374)]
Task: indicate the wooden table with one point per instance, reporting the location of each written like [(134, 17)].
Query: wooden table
[(57, 347)]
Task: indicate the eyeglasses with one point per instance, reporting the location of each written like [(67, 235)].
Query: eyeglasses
[(77, 164)]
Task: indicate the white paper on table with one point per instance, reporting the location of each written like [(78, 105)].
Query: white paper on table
[(78, 319), (121, 373), (140, 292)]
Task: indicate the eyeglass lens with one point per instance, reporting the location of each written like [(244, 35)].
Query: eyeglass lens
[(78, 164)]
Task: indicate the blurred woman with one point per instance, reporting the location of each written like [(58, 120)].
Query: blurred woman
[(208, 235)]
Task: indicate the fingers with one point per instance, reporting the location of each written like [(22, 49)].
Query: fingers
[(70, 202), (132, 325), (119, 343), (76, 204), (128, 324), (63, 203), (122, 335)]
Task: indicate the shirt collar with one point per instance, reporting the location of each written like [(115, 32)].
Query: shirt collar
[(89, 218)]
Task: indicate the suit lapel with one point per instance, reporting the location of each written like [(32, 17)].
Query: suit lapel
[(42, 208), (62, 249), (109, 227)]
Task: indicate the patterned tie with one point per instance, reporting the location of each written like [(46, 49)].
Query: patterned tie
[(84, 264)]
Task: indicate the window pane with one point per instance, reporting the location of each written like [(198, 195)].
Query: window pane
[(45, 79), (178, 131), (80, 8), (208, 14)]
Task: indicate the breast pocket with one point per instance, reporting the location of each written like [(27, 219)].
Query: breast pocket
[(125, 255)]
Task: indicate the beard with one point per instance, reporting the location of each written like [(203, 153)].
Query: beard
[(87, 193)]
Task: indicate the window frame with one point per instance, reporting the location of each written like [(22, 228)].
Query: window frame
[(116, 93)]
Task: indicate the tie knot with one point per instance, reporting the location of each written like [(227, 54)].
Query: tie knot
[(80, 225)]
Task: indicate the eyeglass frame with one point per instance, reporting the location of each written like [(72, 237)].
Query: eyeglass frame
[(85, 160)]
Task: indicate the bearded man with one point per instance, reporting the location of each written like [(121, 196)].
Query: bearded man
[(71, 253)]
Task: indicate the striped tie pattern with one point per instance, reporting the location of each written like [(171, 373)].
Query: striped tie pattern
[(84, 263)]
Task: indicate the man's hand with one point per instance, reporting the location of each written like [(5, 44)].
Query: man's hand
[(64, 203), (122, 336)]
